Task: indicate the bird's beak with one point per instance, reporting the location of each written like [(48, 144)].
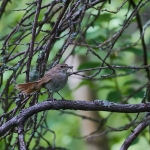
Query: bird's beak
[(70, 67)]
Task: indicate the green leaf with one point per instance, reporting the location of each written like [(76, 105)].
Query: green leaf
[(103, 18), (87, 65), (138, 94), (134, 50), (114, 96), (131, 82), (135, 141), (108, 87)]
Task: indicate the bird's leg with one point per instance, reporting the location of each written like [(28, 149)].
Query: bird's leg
[(61, 96), (50, 96), (64, 100)]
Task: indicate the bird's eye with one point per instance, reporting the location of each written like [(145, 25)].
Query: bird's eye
[(61, 66)]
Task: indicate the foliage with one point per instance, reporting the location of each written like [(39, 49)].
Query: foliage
[(112, 37)]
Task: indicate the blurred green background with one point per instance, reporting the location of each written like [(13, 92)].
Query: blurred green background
[(67, 127)]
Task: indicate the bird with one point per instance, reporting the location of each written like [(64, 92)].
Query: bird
[(53, 80)]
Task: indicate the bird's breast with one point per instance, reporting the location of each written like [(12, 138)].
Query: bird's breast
[(57, 82)]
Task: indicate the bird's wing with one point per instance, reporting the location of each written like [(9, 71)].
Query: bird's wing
[(46, 78)]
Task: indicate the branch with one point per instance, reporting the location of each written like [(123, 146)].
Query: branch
[(96, 105), (21, 136), (134, 135), (3, 7)]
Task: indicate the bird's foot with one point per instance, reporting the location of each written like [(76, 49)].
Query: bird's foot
[(61, 97)]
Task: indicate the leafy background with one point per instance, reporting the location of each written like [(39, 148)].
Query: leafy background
[(65, 128)]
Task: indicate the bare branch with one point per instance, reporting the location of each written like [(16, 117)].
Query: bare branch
[(134, 135), (96, 105)]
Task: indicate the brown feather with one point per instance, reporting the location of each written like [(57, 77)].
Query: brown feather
[(28, 88), (46, 78)]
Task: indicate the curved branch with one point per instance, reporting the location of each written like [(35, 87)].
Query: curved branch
[(3, 6), (96, 105), (134, 135)]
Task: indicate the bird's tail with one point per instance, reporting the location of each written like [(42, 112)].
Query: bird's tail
[(28, 88)]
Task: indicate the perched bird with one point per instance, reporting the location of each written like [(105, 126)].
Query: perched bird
[(53, 80)]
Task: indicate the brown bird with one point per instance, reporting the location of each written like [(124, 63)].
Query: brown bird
[(53, 80)]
